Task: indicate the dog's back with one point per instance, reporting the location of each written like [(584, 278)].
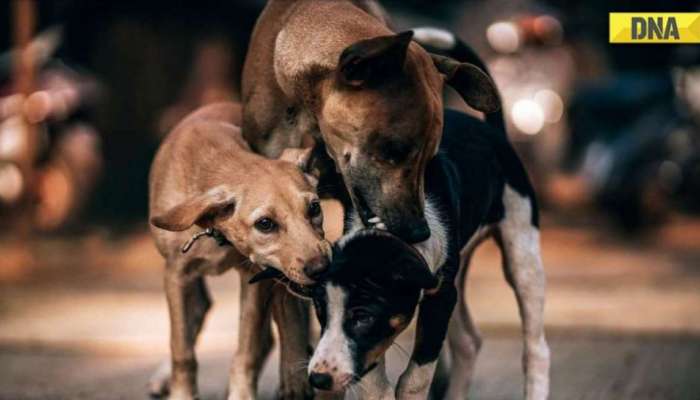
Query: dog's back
[(322, 29), (468, 176), (209, 136)]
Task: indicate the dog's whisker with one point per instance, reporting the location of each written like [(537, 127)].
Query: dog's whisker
[(300, 368), (304, 363)]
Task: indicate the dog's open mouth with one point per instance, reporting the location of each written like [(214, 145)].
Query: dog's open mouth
[(369, 218), (267, 273), (270, 272)]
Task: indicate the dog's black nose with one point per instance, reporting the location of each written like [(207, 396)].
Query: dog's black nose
[(316, 267), (321, 381), (417, 234)]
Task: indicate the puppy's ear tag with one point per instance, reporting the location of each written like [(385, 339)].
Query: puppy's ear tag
[(267, 273)]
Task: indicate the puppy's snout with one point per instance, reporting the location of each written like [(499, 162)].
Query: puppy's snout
[(321, 381), (315, 268)]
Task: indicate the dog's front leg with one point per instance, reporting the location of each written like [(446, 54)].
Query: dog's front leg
[(431, 328), (375, 385), (188, 302), (254, 338), (291, 315)]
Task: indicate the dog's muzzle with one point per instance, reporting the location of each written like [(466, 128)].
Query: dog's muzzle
[(416, 233), (321, 381), (315, 268)]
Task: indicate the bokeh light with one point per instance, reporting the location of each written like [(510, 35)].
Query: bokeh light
[(527, 116), (503, 37), (551, 103), (11, 183)]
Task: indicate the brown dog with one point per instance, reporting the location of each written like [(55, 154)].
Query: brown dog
[(374, 99), (263, 213)]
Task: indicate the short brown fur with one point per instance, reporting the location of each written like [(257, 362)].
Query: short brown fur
[(298, 79), (204, 176)]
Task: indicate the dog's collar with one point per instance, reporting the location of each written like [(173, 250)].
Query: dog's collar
[(436, 289), (209, 232)]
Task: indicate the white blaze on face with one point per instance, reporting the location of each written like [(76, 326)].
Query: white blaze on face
[(332, 356)]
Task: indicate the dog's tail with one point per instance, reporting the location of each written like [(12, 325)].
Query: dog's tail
[(446, 43)]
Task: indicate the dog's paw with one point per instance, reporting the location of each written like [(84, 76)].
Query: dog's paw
[(183, 393), (240, 395), (182, 396), (159, 382)]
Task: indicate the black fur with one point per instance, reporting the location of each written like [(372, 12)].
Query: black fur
[(382, 278), (465, 181)]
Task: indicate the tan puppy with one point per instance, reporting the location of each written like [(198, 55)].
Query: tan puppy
[(372, 97), (263, 213)]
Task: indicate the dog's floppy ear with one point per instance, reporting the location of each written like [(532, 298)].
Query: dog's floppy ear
[(369, 61), (473, 84), (386, 257), (201, 210)]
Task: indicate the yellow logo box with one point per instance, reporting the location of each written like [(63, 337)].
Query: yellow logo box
[(654, 27)]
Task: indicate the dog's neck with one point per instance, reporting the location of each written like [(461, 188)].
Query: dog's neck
[(434, 250)]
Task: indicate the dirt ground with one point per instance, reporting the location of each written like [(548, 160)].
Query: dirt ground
[(83, 317)]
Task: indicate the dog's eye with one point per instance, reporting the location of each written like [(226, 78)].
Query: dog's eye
[(395, 152), (314, 209), (265, 225), (361, 319)]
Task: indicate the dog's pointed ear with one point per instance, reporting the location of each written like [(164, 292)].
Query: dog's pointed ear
[(304, 160), (369, 61), (474, 85), (201, 210), (386, 257), (299, 157)]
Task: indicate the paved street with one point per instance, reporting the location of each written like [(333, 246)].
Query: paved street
[(84, 318)]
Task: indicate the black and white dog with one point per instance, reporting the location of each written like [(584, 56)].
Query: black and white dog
[(476, 187)]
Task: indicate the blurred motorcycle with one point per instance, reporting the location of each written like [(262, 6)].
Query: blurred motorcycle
[(636, 139)]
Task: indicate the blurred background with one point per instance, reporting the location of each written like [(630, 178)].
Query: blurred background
[(610, 135)]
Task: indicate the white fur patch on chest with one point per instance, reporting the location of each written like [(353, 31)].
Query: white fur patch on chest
[(434, 250)]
